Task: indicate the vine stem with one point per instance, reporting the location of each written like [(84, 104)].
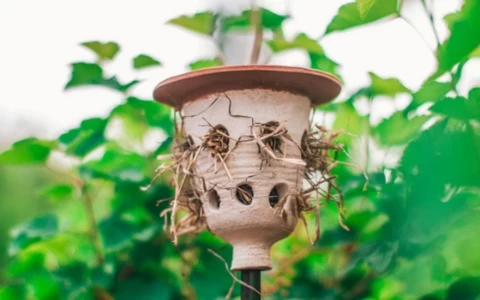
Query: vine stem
[(431, 19), (256, 18), (93, 234), (429, 13)]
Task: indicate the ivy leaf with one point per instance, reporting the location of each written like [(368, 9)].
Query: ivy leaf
[(116, 233), (458, 107), (105, 51), (301, 41), (450, 19), (446, 146), (204, 63), (119, 165), (92, 74), (122, 228), (148, 112), (82, 140), (364, 7), (28, 151), (324, 63), (378, 255), (116, 85), (349, 16), (398, 130), (432, 91), (203, 22), (269, 20), (59, 192), (144, 287), (13, 292), (463, 40), (84, 74), (386, 86), (142, 61), (75, 281), (39, 228), (464, 288), (349, 120)]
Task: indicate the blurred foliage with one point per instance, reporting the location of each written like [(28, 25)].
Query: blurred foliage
[(413, 228)]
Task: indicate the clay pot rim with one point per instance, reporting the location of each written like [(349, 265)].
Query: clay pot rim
[(320, 87)]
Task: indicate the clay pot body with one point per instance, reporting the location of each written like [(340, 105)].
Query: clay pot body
[(239, 103), (250, 228)]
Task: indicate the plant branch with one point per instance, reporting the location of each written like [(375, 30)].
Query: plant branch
[(429, 13), (93, 234), (419, 34), (437, 39), (256, 18), (432, 22)]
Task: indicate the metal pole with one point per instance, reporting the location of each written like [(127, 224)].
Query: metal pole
[(253, 279)]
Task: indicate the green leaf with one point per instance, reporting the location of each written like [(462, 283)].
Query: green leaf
[(84, 139), (301, 41), (13, 292), (204, 63), (349, 16), (142, 61), (451, 19), (59, 192), (146, 112), (432, 91), (203, 22), (28, 151), (103, 50), (143, 287), (92, 74), (37, 229), (119, 165), (75, 281), (467, 288), (398, 130), (348, 119), (378, 255), (84, 74), (269, 20), (386, 86), (446, 146), (458, 107), (364, 7), (463, 40), (323, 63), (120, 229)]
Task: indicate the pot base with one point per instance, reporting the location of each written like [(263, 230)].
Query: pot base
[(251, 257)]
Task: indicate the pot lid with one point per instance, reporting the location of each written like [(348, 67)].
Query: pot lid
[(175, 91)]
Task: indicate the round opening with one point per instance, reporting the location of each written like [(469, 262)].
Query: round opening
[(245, 194), (278, 194), (217, 140), (271, 129), (213, 199)]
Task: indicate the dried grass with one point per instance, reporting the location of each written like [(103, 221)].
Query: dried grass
[(318, 149)]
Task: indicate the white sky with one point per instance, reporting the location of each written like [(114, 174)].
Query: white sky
[(38, 40)]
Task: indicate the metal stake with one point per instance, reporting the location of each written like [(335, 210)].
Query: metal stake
[(252, 278)]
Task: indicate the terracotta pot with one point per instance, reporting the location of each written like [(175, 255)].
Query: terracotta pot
[(250, 194)]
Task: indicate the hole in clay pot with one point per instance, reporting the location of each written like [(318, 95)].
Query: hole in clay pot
[(278, 194), (213, 199), (274, 141), (217, 141), (245, 194)]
